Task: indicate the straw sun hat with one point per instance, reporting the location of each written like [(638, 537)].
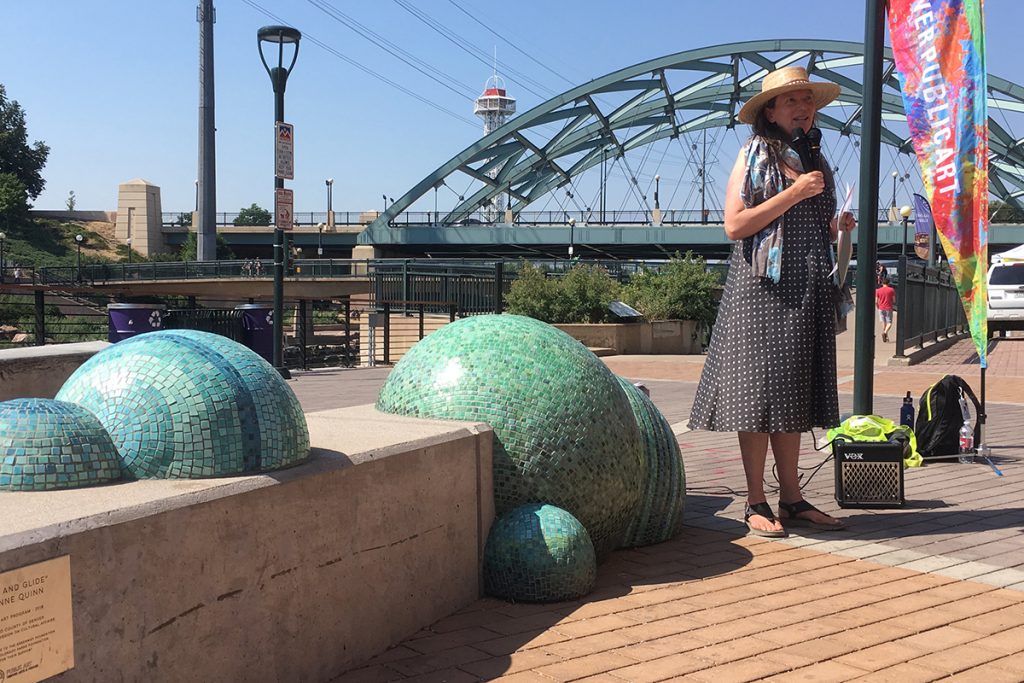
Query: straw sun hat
[(787, 79)]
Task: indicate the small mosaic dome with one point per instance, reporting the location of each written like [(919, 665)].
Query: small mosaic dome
[(659, 516), (47, 445), (182, 404), (538, 553), (564, 431)]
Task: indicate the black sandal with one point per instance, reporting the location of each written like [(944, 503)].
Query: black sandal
[(764, 510), (801, 506)]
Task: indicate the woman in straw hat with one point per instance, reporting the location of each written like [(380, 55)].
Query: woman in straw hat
[(770, 373)]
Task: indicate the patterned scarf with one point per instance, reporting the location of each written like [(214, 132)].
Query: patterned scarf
[(763, 180)]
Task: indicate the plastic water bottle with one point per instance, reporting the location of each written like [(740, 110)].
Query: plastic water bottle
[(966, 434), (907, 411)]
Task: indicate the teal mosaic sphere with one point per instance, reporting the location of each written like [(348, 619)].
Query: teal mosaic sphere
[(182, 404), (564, 433), (538, 553), (659, 516), (47, 445)]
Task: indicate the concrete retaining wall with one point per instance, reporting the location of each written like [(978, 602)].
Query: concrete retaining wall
[(40, 371), (295, 576), (658, 337), (105, 216)]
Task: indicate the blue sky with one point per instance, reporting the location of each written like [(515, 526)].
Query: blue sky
[(112, 86)]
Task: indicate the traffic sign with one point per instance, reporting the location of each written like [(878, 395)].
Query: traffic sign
[(284, 150), (283, 203)]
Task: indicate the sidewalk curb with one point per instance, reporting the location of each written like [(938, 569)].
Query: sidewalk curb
[(922, 354)]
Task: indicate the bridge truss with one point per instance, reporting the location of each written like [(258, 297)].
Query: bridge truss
[(615, 119)]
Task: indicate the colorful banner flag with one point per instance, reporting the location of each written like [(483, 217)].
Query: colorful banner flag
[(923, 226), (939, 49)]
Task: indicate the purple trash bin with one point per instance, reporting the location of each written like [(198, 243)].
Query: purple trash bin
[(258, 329), (128, 320)]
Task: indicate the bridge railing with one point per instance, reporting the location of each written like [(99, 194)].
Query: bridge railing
[(91, 274), (928, 306), (300, 219)]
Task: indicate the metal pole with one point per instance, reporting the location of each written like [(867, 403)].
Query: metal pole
[(867, 235), (206, 190)]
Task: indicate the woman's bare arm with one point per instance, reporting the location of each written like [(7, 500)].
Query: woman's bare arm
[(742, 222)]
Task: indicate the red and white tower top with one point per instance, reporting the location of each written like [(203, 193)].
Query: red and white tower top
[(494, 106)]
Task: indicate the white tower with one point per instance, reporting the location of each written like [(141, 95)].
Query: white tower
[(494, 106)]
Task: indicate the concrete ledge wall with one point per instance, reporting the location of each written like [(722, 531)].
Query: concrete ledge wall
[(296, 576), (40, 371), (106, 216), (658, 337)]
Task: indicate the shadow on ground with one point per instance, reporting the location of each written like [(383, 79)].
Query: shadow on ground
[(490, 631)]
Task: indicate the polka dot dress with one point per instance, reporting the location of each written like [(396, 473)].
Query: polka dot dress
[(771, 365)]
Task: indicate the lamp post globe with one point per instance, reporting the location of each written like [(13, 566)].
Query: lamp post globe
[(266, 38)]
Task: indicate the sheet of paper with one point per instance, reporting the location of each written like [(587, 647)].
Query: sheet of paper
[(844, 247)]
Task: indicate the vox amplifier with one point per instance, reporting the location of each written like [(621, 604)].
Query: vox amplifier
[(868, 474)]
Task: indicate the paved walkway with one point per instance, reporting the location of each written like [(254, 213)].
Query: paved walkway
[(931, 591)]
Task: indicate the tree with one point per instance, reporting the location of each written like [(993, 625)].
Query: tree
[(17, 157), (70, 201), (254, 215), (13, 200), (189, 248)]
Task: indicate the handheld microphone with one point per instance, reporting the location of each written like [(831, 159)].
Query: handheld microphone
[(814, 143), (802, 144)]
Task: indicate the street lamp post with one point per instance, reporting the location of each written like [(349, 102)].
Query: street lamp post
[(892, 207), (281, 35), (128, 242), (78, 242), (3, 238), (330, 211), (572, 230), (657, 204), (320, 240), (905, 212)]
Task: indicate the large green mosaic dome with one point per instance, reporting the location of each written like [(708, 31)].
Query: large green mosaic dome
[(47, 445), (659, 516), (564, 431), (538, 553), (182, 404)]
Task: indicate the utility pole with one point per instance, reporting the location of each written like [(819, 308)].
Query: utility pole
[(206, 209)]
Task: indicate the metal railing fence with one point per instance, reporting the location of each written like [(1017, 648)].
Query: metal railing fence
[(928, 306)]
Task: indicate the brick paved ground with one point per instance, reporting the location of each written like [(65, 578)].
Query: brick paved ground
[(932, 591)]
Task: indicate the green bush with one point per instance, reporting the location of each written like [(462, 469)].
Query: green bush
[(253, 215), (580, 296), (682, 289)]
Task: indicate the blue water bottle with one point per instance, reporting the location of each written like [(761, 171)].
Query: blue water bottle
[(907, 411)]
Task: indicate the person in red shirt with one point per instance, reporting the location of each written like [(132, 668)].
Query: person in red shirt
[(885, 296)]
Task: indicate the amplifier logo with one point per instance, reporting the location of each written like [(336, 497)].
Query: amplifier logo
[(853, 456)]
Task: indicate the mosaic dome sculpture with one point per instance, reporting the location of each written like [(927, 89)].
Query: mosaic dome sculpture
[(564, 431), (538, 553), (659, 515), (47, 445), (182, 404)]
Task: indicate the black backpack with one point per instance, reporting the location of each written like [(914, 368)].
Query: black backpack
[(939, 418)]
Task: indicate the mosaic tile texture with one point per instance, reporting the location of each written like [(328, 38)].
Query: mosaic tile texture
[(47, 445), (538, 553), (659, 515), (564, 431), (183, 404)]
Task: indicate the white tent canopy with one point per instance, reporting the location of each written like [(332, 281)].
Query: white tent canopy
[(1015, 255)]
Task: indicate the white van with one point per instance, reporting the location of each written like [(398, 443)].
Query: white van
[(1006, 295)]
